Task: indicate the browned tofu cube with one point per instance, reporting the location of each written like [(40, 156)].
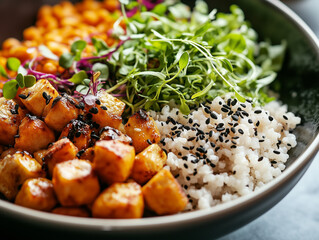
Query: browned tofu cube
[(72, 211), (109, 133), (87, 154), (61, 112), (75, 183), (107, 111), (143, 130), (147, 163), (39, 155), (61, 151), (14, 170), (37, 97), (9, 151), (163, 194), (34, 135), (78, 132), (120, 200), (11, 116), (113, 161), (37, 193)]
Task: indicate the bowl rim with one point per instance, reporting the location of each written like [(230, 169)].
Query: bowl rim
[(177, 220)]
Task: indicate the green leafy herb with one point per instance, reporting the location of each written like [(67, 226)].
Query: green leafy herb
[(78, 77), (66, 59), (29, 80), (13, 64), (10, 89), (20, 80), (3, 72), (103, 69)]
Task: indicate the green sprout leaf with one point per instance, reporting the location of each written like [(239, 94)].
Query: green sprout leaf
[(103, 69), (66, 60), (3, 72), (29, 80), (20, 80), (99, 45), (77, 48), (78, 77), (183, 61), (13, 64), (10, 89)]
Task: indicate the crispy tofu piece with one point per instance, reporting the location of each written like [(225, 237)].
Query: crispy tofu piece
[(9, 151), (39, 155), (143, 130), (107, 111), (14, 170), (61, 151), (38, 96), (88, 154), (75, 183), (163, 194), (113, 161), (61, 112), (120, 200), (34, 135), (37, 193), (109, 133), (72, 211), (78, 132), (147, 163), (11, 116)]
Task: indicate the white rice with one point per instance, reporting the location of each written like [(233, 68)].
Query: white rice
[(244, 161)]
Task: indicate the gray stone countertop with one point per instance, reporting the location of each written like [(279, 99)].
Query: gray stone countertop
[(297, 215)]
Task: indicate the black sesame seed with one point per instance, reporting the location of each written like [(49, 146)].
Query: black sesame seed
[(212, 165), (288, 144), (220, 103), (229, 101), (220, 129), (276, 152), (89, 116), (257, 111), (234, 102), (217, 148), (80, 153), (191, 139), (184, 158), (235, 137), (234, 172), (206, 110), (22, 96), (226, 106), (213, 115), (234, 117), (210, 134), (240, 131), (261, 140), (233, 146), (224, 109), (77, 134), (250, 121), (260, 159), (179, 154), (81, 105), (149, 142), (176, 176), (185, 165), (98, 102), (174, 128), (190, 120), (103, 108), (212, 144), (186, 187), (270, 118), (186, 148), (188, 178), (243, 105), (220, 138), (285, 117), (207, 121), (273, 162), (55, 101), (94, 110), (257, 123), (233, 130), (94, 136)]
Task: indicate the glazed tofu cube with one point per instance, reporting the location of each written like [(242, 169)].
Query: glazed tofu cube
[(107, 110), (34, 135), (147, 163), (37, 193), (37, 97), (143, 130), (109, 133), (120, 200), (78, 132), (75, 183), (11, 116), (39, 155), (72, 211), (61, 151), (14, 170), (113, 161), (61, 112), (87, 154), (163, 194), (9, 151)]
